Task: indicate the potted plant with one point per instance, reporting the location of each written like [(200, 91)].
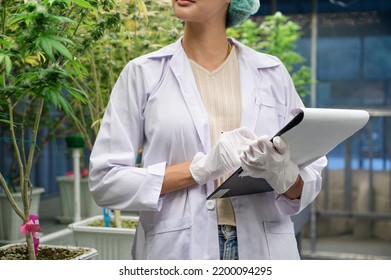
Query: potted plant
[(41, 43), (19, 251), (112, 241)]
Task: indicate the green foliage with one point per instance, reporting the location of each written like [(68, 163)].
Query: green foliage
[(134, 29), (36, 42), (68, 55), (43, 45), (277, 35)]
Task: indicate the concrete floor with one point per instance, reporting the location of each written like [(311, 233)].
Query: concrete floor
[(346, 247)]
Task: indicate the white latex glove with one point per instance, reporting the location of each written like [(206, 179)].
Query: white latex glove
[(271, 161), (223, 158)]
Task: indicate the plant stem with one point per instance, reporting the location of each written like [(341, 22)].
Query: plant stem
[(29, 164), (30, 246), (18, 158), (4, 16), (26, 184), (81, 127), (10, 197), (117, 218), (98, 92), (22, 135)]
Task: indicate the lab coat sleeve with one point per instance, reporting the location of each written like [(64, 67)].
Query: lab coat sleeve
[(114, 181), (311, 174)]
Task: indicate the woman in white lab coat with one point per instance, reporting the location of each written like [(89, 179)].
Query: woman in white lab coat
[(156, 103)]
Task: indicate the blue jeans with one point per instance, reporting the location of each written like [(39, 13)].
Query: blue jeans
[(228, 242)]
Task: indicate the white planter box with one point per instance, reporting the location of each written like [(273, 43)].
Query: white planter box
[(111, 243), (88, 207), (91, 253), (10, 222)]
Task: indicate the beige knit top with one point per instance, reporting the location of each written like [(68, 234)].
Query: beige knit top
[(220, 93)]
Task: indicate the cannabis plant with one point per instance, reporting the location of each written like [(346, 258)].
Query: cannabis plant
[(42, 44)]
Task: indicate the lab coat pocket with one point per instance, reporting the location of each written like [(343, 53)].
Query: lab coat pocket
[(281, 241), (271, 116), (169, 239)]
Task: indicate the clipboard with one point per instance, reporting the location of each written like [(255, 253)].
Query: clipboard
[(310, 135)]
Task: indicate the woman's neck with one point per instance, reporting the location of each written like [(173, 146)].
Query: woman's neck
[(207, 47)]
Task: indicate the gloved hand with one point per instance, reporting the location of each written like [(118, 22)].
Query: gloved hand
[(264, 159), (223, 158)]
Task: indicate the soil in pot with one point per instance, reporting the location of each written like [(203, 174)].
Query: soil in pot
[(124, 223), (19, 252)]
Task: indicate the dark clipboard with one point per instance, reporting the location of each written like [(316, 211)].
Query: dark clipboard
[(237, 186)]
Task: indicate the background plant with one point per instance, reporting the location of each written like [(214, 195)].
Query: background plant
[(135, 33), (277, 35), (138, 29)]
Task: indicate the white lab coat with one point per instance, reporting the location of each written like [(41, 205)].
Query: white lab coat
[(155, 103)]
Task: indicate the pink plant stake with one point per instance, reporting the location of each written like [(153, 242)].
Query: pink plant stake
[(32, 226)]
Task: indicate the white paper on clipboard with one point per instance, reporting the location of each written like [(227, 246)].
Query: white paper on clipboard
[(311, 134)]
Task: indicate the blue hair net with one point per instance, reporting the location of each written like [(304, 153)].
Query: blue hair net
[(239, 10)]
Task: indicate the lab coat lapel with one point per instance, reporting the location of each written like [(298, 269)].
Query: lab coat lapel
[(182, 70), (251, 64), (249, 84)]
